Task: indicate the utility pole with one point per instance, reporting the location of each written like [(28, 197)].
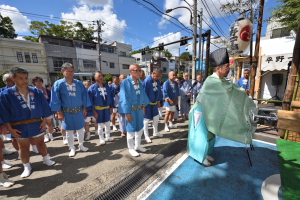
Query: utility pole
[(200, 38), (208, 32), (194, 41), (99, 23), (257, 44)]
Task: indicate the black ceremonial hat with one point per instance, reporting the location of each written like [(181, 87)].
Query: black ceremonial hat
[(219, 57)]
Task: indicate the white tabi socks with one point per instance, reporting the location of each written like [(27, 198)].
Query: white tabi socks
[(4, 181), (146, 133), (130, 144), (155, 127), (6, 152), (171, 125), (160, 112), (27, 170), (6, 165), (107, 132), (167, 128), (88, 136), (35, 149), (47, 161), (80, 134), (100, 133), (138, 138), (70, 139)]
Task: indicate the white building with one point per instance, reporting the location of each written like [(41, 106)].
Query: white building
[(25, 54), (87, 56), (124, 58)]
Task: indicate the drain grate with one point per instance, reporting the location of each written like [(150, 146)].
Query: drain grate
[(128, 185)]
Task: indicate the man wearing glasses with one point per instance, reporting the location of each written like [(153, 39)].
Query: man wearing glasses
[(70, 100), (133, 100)]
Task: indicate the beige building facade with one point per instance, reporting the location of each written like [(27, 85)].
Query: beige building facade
[(25, 54)]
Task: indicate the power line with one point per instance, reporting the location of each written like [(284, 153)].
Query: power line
[(212, 17), (161, 15), (220, 14), (226, 15)]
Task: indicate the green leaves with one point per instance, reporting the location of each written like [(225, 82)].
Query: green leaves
[(287, 13), (6, 28), (63, 30)]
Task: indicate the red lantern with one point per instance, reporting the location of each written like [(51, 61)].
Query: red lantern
[(240, 35)]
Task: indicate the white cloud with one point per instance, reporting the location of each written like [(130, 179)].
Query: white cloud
[(113, 29), (183, 15), (20, 22), (51, 16), (95, 3), (170, 37)]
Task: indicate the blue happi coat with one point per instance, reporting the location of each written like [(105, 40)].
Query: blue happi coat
[(62, 96), (13, 108), (152, 89), (131, 94), (115, 91), (4, 88), (97, 99), (170, 91)]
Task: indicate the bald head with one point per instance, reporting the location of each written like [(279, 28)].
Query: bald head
[(135, 71), (122, 77), (186, 76), (199, 78), (172, 75)]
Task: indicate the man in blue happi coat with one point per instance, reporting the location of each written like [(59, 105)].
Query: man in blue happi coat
[(133, 101), (70, 100), (244, 82), (185, 98), (122, 117), (102, 103), (171, 94), (152, 88), (115, 90), (197, 87), (24, 111)]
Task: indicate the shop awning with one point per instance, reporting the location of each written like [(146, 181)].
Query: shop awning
[(276, 62)]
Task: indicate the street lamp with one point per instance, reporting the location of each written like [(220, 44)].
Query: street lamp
[(170, 10)]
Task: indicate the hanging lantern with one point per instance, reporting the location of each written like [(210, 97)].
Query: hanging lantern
[(240, 35)]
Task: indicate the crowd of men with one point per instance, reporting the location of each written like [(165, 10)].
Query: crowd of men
[(31, 114)]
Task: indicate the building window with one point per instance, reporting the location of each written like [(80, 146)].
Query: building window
[(78, 45), (111, 65), (89, 64), (89, 47), (110, 50), (125, 66), (58, 62), (277, 33), (34, 58), (122, 53), (164, 69), (105, 62), (53, 41), (27, 57), (20, 56)]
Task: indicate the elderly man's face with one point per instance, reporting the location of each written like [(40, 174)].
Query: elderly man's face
[(116, 81), (87, 84), (156, 76), (9, 83), (122, 77), (99, 77), (199, 78), (172, 76), (224, 69), (246, 74), (186, 76), (135, 72), (68, 73)]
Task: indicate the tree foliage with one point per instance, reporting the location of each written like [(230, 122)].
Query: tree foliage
[(63, 30), (287, 13), (7, 29), (186, 56), (108, 77)]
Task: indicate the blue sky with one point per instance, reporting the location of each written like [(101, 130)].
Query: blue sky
[(126, 20)]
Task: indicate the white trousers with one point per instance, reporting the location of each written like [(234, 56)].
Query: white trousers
[(107, 129), (134, 139), (70, 137), (155, 126)]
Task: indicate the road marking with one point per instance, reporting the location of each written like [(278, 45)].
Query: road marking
[(155, 184)]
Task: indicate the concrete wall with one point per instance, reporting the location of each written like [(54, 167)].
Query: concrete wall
[(87, 54), (8, 57), (106, 59)]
